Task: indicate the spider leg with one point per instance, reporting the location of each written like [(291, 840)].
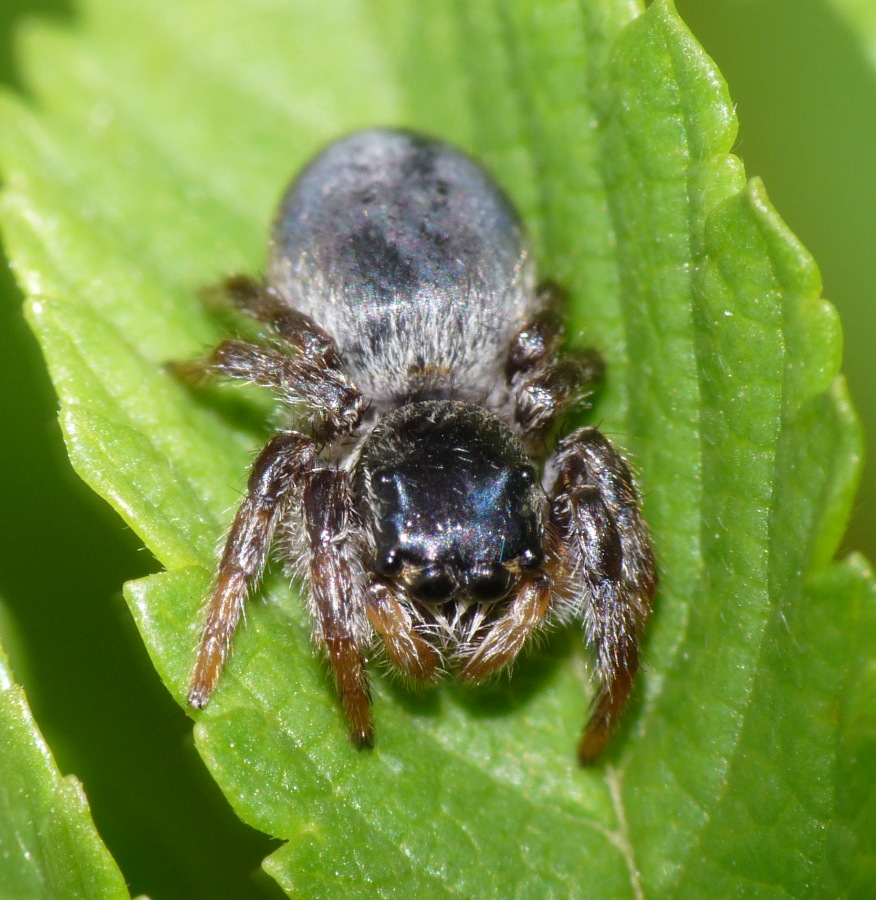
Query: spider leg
[(538, 341), (337, 588), (609, 565), (274, 479), (544, 384), (333, 403), (295, 328), (507, 635), (407, 649), (556, 387)]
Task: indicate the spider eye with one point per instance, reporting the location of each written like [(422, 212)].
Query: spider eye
[(433, 585), (531, 559), (490, 584), (390, 563), (527, 476)]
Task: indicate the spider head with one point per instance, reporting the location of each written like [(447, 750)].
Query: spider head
[(455, 504)]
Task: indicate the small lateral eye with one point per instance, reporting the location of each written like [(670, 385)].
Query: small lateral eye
[(390, 564), (490, 584), (531, 559), (528, 476)]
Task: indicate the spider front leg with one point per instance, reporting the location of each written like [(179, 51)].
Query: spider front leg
[(337, 592), (275, 478), (506, 637), (609, 565), (408, 650)]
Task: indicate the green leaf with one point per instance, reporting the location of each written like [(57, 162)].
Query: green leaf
[(49, 847), (148, 166)]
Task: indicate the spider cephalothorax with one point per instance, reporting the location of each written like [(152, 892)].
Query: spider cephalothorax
[(407, 333)]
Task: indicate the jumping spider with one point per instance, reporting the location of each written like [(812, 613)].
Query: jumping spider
[(418, 502)]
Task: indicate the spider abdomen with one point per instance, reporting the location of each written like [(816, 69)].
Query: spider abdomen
[(412, 258)]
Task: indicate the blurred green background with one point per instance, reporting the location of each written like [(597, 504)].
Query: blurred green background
[(805, 87)]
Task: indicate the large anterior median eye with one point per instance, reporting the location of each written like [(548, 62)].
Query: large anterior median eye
[(490, 583), (433, 585)]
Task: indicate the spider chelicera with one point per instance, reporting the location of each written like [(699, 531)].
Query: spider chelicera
[(415, 497)]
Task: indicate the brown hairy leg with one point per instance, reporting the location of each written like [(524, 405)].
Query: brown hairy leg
[(295, 328), (334, 403), (274, 478), (546, 384), (610, 565), (407, 649), (337, 587), (507, 635)]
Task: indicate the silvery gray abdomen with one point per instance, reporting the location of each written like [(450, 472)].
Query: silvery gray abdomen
[(406, 252)]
